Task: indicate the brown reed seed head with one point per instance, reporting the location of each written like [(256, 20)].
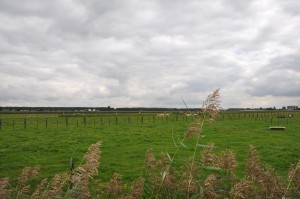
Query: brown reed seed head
[(190, 169), (189, 184), (188, 187), (57, 184), (270, 184), (243, 189), (5, 191), (27, 174), (115, 186), (227, 160), (169, 183), (90, 166), (208, 156), (40, 191), (138, 188), (150, 160), (79, 178), (209, 190), (211, 106), (253, 165), (194, 128), (92, 159)]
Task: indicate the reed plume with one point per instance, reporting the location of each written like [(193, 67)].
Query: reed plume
[(27, 174), (85, 172), (208, 157), (227, 160), (269, 184), (243, 189), (210, 188), (115, 187), (5, 191)]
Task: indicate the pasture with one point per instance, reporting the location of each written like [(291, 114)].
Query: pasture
[(51, 140)]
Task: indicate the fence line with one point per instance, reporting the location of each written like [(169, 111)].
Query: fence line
[(274, 118)]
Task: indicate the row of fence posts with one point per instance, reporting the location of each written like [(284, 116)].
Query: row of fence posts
[(129, 121), (266, 116)]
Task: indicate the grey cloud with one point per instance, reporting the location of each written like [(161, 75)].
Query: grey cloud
[(145, 53), (281, 77)]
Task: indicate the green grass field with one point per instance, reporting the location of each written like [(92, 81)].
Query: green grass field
[(51, 142)]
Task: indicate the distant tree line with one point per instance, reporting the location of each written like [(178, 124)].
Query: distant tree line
[(93, 109)]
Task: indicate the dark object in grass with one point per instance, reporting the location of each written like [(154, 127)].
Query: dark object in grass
[(277, 128)]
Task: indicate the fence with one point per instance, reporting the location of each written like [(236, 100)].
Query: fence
[(51, 121)]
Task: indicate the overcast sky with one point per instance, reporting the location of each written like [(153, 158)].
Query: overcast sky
[(134, 53)]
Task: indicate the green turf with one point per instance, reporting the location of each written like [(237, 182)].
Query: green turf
[(125, 141)]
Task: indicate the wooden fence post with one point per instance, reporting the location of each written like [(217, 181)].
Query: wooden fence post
[(25, 123), (67, 122), (116, 120), (84, 121)]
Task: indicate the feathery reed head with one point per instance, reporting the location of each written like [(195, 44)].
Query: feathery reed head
[(227, 160), (243, 189), (208, 157), (194, 128), (209, 190), (150, 160), (115, 187), (211, 106), (5, 191)]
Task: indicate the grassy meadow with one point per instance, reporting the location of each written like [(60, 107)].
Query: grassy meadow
[(51, 140)]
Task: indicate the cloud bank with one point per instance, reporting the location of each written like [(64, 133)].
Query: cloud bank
[(149, 53)]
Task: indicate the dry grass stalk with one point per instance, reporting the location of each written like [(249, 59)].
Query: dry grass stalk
[(227, 160), (209, 190), (243, 189), (5, 191), (115, 187), (208, 156)]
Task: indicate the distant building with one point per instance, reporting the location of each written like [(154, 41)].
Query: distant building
[(292, 107)]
